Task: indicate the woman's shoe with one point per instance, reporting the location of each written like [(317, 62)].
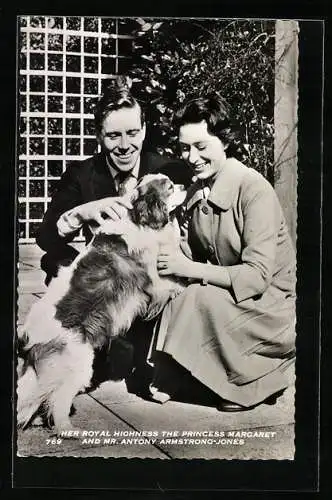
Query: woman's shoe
[(271, 400), (229, 406)]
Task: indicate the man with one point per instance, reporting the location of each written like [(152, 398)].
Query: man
[(92, 190), (89, 190)]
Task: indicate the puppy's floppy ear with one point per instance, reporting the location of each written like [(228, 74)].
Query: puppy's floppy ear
[(150, 210)]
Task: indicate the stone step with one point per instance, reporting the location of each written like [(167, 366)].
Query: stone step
[(89, 416)]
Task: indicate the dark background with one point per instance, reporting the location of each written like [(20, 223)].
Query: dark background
[(159, 478)]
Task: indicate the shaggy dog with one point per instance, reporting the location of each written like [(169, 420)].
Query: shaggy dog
[(95, 299)]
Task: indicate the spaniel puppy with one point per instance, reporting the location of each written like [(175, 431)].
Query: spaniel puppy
[(110, 283)]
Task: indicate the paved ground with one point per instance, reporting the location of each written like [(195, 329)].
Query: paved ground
[(114, 420)]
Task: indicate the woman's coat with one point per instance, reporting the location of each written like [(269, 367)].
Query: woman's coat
[(239, 342)]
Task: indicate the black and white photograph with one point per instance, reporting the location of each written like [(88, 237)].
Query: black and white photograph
[(157, 172)]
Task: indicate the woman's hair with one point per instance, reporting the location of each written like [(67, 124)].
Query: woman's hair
[(115, 97), (215, 110)]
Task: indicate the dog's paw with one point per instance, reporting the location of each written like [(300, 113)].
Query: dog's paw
[(37, 421), (177, 291)]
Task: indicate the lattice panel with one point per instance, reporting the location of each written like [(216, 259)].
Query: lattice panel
[(64, 65)]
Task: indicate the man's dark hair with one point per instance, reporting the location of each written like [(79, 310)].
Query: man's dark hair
[(215, 110), (115, 97)]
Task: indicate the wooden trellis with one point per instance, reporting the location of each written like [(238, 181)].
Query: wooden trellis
[(64, 63), (285, 119)]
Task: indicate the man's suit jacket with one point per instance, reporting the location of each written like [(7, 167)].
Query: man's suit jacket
[(86, 181), (91, 180)]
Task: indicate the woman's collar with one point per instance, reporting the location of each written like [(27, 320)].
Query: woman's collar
[(225, 187)]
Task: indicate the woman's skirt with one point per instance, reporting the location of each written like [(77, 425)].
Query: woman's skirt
[(243, 352)]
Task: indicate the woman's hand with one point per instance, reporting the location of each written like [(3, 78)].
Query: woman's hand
[(174, 262)]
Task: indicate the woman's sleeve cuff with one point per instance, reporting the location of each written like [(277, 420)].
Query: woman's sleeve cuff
[(247, 282)]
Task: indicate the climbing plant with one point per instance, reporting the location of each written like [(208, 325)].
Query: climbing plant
[(177, 59)]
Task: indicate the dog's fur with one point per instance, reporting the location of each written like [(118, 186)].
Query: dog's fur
[(111, 282)]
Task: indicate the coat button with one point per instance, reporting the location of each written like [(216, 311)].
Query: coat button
[(205, 209), (211, 249)]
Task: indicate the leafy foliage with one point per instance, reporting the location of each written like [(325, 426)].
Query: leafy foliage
[(179, 59)]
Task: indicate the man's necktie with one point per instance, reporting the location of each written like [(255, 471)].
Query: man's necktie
[(125, 183)]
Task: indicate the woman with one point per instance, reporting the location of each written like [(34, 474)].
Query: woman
[(233, 328)]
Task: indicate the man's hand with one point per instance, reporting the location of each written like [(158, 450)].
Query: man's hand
[(114, 208)]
